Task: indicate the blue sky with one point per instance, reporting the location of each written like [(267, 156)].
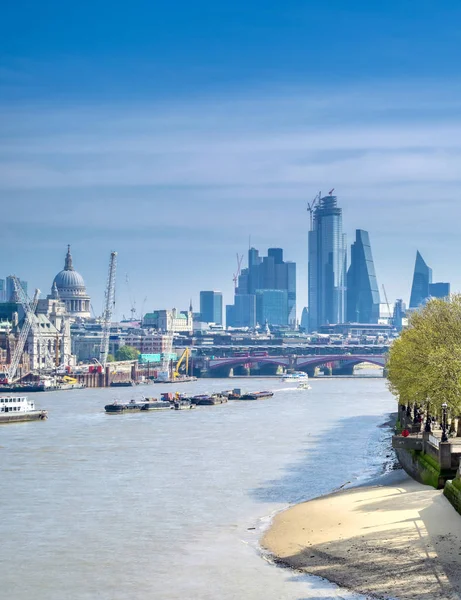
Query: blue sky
[(170, 131)]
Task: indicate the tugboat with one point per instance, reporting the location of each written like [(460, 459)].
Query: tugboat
[(19, 408), (136, 406)]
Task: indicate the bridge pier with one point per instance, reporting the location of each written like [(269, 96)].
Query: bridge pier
[(342, 369)]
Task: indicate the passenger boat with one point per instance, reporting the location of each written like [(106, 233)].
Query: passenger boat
[(136, 406), (296, 376), (256, 395), (19, 408)]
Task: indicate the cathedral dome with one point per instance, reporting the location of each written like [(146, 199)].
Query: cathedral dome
[(69, 286), (69, 279)]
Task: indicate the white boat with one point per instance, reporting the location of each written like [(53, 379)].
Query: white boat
[(296, 376), (19, 408), (304, 386)]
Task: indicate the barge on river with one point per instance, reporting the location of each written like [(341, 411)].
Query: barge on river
[(148, 404), (19, 408)]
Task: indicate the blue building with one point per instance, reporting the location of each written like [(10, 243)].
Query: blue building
[(270, 273), (327, 265), (439, 290), (211, 307), (243, 312), (272, 307), (422, 287), (422, 278), (362, 286)]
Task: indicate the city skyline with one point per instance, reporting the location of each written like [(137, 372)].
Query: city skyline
[(103, 148)]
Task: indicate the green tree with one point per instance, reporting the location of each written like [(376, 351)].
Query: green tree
[(126, 353), (110, 358), (424, 364)]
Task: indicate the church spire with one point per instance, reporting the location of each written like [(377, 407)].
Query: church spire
[(68, 264)]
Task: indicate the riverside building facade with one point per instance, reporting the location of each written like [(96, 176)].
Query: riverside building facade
[(327, 265)]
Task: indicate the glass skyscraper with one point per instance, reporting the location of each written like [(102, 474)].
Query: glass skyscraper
[(362, 286), (422, 278), (265, 273), (272, 307), (211, 307), (327, 265), (422, 287)]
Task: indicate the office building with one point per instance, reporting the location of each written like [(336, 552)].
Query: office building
[(362, 286), (170, 320), (265, 273), (439, 290), (422, 287), (3, 290), (272, 307), (243, 312), (211, 307), (10, 292), (327, 265), (422, 277)]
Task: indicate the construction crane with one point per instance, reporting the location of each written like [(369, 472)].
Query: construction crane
[(311, 207), (388, 305), (28, 323), (45, 359), (109, 305), (184, 356), (239, 270)]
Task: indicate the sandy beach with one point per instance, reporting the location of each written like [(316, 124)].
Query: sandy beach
[(398, 540)]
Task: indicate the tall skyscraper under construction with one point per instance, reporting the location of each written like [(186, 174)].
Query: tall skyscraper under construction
[(327, 265)]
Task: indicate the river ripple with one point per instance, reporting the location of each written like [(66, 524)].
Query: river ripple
[(170, 505)]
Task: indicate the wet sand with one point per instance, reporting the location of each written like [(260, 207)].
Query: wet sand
[(398, 540)]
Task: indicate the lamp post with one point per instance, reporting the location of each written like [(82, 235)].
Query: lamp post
[(444, 422)]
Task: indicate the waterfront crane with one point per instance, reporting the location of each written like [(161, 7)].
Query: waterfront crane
[(109, 305), (28, 321)]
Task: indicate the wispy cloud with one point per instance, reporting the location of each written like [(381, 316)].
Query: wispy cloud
[(245, 164)]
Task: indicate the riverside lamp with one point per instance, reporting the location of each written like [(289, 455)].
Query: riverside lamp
[(444, 422)]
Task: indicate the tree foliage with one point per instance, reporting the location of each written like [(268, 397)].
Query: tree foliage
[(424, 364), (110, 358), (127, 353)]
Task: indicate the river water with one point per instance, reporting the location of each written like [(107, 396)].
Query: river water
[(171, 505)]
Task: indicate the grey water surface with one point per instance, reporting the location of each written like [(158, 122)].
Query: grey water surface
[(172, 504)]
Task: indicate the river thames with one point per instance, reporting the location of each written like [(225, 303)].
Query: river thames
[(171, 505)]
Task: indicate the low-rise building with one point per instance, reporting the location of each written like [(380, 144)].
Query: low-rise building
[(170, 320)]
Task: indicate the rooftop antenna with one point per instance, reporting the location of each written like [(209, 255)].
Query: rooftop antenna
[(330, 193)]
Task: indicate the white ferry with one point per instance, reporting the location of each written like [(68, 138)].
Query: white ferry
[(19, 408), (296, 376)]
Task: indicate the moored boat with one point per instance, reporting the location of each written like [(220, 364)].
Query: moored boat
[(19, 408)]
